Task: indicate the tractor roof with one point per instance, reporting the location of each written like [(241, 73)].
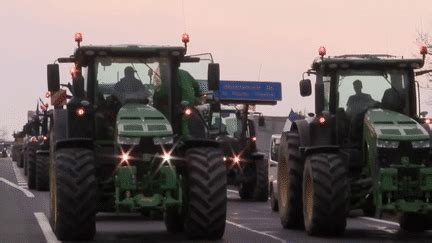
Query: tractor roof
[(367, 61), (129, 50)]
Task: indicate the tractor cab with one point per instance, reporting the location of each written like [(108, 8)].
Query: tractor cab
[(349, 86)]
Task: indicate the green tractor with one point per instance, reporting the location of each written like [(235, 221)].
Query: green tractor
[(39, 173), (132, 148), (231, 122), (366, 148), (17, 146), (246, 167)]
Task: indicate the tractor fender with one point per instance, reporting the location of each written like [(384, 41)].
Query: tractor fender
[(42, 152), (74, 143), (257, 156), (302, 128), (60, 126), (191, 143), (321, 149)]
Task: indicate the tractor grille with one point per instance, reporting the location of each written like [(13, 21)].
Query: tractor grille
[(413, 131), (408, 184), (390, 131), (133, 128), (389, 156), (156, 127)]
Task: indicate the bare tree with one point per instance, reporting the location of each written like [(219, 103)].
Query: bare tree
[(425, 39), (3, 134)]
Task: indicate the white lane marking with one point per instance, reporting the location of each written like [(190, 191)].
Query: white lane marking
[(232, 191), (380, 221), (256, 231), (25, 191), (46, 227), (19, 177)]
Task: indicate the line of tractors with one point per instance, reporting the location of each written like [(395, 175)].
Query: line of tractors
[(144, 129), (30, 149)]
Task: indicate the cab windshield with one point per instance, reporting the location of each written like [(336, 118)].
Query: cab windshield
[(358, 90), (134, 80)]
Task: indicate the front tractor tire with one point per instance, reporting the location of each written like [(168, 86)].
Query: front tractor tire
[(205, 193), (42, 172), (73, 194), (413, 222), (289, 178), (261, 188), (31, 166), (325, 194)]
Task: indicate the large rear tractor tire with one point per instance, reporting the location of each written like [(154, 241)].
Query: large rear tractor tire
[(261, 187), (73, 194), (413, 222), (42, 172), (205, 193), (31, 166), (289, 178), (325, 194)]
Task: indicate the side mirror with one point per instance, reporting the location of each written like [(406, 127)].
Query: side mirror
[(213, 76), (423, 114), (53, 75), (261, 121), (305, 87)]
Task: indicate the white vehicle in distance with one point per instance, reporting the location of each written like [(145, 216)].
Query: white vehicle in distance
[(272, 162)]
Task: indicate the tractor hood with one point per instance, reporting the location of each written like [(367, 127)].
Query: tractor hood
[(390, 125), (139, 120)]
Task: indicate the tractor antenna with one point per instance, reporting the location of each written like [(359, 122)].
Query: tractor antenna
[(259, 72)]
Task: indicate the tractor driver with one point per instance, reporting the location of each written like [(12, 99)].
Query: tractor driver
[(356, 107), (129, 84), (359, 102)]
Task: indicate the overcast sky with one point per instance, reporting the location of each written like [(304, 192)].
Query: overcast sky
[(281, 36)]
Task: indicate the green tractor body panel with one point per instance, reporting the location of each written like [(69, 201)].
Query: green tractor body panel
[(390, 125), (398, 145), (138, 120)]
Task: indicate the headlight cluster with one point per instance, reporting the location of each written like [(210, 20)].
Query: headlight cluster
[(420, 144), (387, 144), (128, 140), (395, 144), (163, 140)]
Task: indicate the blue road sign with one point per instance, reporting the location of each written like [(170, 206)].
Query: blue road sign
[(249, 91)]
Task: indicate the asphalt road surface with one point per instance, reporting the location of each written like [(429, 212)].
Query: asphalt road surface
[(24, 213)]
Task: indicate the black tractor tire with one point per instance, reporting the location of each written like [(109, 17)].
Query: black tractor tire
[(205, 199), (261, 187), (20, 158), (413, 222), (73, 194), (25, 160), (245, 191), (325, 194), (290, 177), (173, 220), (273, 200), (31, 167), (42, 172)]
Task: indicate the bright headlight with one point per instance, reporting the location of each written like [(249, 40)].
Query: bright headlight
[(387, 144), (128, 140), (163, 140), (420, 144)]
